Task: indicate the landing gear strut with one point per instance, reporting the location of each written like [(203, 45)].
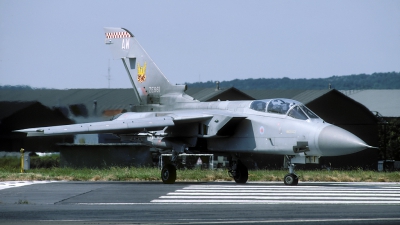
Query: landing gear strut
[(239, 172), (291, 178)]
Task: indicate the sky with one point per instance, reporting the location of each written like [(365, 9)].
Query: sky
[(60, 44)]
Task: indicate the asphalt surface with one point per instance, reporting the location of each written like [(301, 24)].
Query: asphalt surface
[(198, 203)]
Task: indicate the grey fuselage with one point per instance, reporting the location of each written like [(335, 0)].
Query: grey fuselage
[(253, 131)]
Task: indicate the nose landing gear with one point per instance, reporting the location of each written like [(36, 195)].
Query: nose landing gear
[(291, 178)]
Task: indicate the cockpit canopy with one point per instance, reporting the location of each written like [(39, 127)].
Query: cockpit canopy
[(288, 107)]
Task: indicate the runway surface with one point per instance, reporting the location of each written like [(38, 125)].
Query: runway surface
[(278, 194), (198, 203)]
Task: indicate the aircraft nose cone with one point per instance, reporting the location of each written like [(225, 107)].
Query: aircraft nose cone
[(333, 141)]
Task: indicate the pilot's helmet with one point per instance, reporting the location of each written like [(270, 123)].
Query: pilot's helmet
[(276, 102)]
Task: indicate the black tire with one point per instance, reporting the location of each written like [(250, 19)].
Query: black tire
[(242, 174), (291, 179), (296, 180), (168, 174)]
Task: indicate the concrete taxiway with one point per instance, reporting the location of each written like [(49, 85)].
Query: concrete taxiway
[(198, 203)]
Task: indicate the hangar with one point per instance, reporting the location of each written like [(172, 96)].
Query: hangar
[(89, 105), (16, 115), (385, 102)]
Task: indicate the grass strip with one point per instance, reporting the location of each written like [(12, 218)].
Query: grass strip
[(153, 174)]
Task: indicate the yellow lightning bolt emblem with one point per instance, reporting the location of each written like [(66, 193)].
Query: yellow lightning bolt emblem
[(141, 74)]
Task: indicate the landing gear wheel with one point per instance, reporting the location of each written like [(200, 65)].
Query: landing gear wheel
[(168, 174), (291, 179), (242, 174)]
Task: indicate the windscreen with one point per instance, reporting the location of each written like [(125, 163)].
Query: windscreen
[(309, 112), (297, 113)]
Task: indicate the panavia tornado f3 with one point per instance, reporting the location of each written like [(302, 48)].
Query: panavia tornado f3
[(169, 119)]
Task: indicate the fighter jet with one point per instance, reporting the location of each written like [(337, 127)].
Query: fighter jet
[(168, 119)]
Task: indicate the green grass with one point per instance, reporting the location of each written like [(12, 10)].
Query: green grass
[(331, 176), (36, 162), (153, 174), (46, 168)]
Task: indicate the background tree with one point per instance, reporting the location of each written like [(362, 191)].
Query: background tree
[(390, 80)]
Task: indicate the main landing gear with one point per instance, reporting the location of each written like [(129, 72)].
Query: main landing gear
[(168, 172), (238, 172), (291, 178)]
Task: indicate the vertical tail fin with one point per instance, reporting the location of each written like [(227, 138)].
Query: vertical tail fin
[(151, 85)]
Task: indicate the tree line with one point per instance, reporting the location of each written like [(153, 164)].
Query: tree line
[(389, 80)]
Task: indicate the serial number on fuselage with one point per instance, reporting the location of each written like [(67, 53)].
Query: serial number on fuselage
[(153, 90)]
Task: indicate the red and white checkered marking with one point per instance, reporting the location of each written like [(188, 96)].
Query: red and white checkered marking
[(118, 35)]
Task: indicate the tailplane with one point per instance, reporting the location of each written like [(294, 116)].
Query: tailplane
[(150, 84)]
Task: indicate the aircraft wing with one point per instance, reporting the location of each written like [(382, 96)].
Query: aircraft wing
[(113, 126), (130, 123)]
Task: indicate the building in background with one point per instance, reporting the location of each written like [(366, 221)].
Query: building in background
[(17, 115)]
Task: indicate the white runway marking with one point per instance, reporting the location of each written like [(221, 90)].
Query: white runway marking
[(345, 193), (13, 184)]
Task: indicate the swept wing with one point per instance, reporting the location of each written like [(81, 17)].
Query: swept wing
[(131, 123)]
